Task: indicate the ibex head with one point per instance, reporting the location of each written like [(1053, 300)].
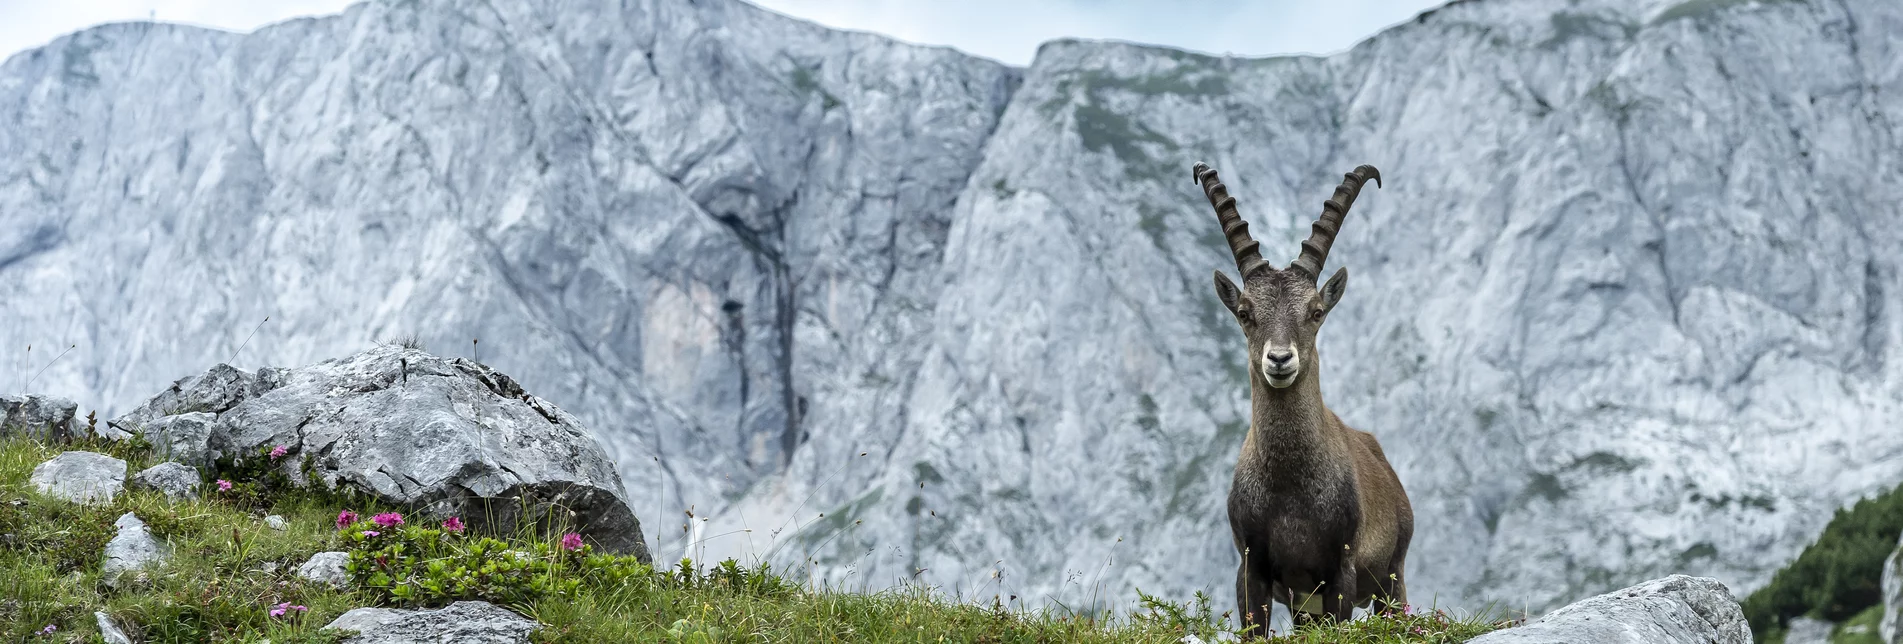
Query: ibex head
[(1281, 310)]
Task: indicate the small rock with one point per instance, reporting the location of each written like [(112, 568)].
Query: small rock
[(81, 477), (109, 630), (1662, 611), (133, 549), (36, 416), (471, 622), (327, 568), (1891, 629), (277, 523), (1804, 630), (176, 480)]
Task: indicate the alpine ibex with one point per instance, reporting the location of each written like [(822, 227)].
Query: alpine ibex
[(1314, 507)]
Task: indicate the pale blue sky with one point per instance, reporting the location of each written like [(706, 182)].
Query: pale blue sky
[(1005, 30)]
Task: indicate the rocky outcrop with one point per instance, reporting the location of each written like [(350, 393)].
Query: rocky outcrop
[(1627, 294), (176, 481), (41, 417), (132, 551), (473, 622), (1673, 610), (80, 477), (443, 436), (1890, 630)]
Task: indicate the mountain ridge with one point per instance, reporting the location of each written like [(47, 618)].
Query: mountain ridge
[(746, 249)]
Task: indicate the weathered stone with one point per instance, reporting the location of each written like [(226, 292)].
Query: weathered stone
[(176, 481), (109, 630), (1672, 610), (134, 549), (41, 417), (445, 436), (276, 522), (80, 477), (327, 568), (185, 438), (218, 389), (1890, 630), (471, 622)]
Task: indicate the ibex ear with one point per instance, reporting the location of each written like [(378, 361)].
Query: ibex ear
[(1331, 292), (1225, 289)]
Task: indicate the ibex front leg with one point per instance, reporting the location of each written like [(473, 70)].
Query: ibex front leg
[(1339, 599)]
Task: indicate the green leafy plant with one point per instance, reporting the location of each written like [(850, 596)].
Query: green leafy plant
[(1839, 575)]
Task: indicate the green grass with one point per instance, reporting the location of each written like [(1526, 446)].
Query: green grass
[(228, 570), (1837, 577)]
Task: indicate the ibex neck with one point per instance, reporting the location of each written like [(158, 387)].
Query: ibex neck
[(1288, 422)]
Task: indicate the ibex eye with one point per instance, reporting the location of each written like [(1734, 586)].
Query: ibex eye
[(1315, 315)]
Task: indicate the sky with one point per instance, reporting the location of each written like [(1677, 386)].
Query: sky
[(1005, 30)]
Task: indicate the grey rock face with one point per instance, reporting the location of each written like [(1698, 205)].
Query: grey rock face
[(80, 477), (1675, 609), (132, 550), (448, 436), (276, 522), (1626, 298), (326, 568), (109, 630), (468, 621), (176, 481), (41, 417), (1890, 630)]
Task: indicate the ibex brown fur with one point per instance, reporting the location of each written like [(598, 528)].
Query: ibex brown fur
[(1314, 507)]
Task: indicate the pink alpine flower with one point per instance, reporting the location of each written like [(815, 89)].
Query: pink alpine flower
[(49, 629), (571, 541), (388, 519), (281, 609), (371, 533), (224, 485), (345, 518), (278, 452), (454, 524)]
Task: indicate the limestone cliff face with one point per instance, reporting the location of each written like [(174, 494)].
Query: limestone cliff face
[(1625, 305)]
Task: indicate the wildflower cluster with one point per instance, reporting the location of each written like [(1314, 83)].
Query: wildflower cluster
[(417, 565)]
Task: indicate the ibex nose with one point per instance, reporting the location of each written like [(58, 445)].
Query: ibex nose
[(1279, 360)]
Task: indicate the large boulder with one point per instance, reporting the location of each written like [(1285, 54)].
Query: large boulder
[(80, 477), (42, 417), (1672, 610), (470, 622), (442, 436), (1891, 629)]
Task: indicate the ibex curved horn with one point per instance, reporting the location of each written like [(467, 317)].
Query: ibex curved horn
[(1322, 235), (1248, 259)]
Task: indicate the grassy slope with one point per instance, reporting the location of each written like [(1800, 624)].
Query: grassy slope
[(228, 570)]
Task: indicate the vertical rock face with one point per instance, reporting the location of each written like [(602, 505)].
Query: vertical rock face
[(1890, 630), (1624, 306)]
